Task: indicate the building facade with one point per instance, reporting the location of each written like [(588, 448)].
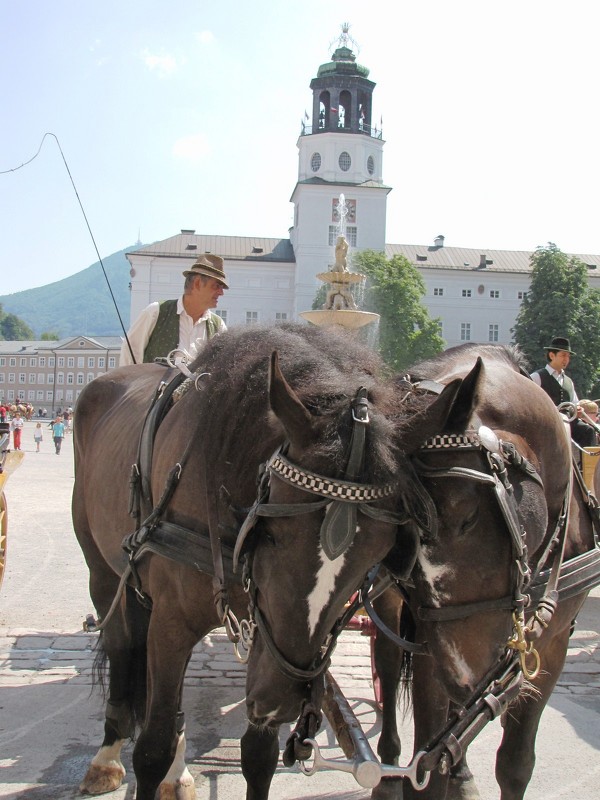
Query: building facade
[(51, 375), (475, 293)]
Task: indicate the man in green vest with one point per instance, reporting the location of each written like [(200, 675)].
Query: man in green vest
[(182, 324)]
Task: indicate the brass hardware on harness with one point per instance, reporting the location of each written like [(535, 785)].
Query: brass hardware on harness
[(519, 642)]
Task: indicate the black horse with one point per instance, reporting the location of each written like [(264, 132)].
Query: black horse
[(326, 512)]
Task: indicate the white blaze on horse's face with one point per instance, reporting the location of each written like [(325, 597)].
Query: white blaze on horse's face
[(458, 666), (324, 586), (434, 575)]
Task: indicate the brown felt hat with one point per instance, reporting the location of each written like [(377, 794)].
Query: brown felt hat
[(211, 267)]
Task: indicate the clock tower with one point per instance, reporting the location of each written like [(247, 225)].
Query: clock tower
[(340, 152)]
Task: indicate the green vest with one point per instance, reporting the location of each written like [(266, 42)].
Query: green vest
[(165, 336)]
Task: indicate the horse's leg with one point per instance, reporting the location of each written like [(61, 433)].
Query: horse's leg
[(515, 759), (461, 785), (123, 642), (388, 663), (430, 708), (259, 753), (162, 740), (178, 783)]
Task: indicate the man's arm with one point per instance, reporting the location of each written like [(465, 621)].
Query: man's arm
[(139, 335)]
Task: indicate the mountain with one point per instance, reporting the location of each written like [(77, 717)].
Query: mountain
[(80, 304)]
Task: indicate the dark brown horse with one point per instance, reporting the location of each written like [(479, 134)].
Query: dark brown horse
[(326, 518), (498, 477)]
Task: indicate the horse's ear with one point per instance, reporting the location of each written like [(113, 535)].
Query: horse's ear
[(465, 401), (287, 406), (431, 421)]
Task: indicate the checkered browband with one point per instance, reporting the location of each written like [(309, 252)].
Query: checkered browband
[(448, 441), (327, 487)]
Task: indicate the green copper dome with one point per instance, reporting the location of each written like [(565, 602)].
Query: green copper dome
[(343, 62)]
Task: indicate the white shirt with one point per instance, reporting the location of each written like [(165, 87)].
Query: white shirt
[(559, 376), (192, 336)]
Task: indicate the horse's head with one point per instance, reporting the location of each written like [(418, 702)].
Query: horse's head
[(497, 475), (324, 517)]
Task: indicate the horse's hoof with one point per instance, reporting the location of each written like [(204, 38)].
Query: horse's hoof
[(388, 789), (102, 779), (183, 789)]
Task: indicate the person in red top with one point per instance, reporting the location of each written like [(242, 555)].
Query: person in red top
[(17, 427)]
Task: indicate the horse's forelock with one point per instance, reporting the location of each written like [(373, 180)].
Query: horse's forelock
[(325, 370)]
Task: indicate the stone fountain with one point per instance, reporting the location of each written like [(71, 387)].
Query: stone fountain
[(340, 305)]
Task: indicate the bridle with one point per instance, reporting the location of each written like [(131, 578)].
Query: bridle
[(498, 455), (341, 499)]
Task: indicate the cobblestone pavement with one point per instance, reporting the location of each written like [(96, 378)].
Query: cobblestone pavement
[(51, 725)]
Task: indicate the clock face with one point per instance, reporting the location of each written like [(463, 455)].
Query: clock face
[(350, 210)]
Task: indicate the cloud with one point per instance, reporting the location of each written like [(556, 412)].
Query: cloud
[(205, 37), (164, 63), (192, 148)]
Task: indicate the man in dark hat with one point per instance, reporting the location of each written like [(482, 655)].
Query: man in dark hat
[(560, 387), (183, 324)]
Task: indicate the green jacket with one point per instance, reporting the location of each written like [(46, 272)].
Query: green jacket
[(165, 336)]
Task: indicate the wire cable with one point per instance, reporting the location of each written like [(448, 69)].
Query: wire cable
[(24, 164)]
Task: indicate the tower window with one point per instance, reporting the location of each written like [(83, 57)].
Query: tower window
[(370, 165), (334, 232), (315, 162), (345, 161)]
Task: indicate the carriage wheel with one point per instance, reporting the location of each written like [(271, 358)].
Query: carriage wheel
[(3, 529)]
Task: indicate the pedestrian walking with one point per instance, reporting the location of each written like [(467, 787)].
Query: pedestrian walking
[(38, 436), (16, 425), (58, 433)]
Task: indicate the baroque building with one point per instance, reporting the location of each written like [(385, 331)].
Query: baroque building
[(51, 374), (476, 293)]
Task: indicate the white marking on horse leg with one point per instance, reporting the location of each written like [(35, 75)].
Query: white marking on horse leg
[(109, 755), (106, 772), (324, 586), (178, 783)]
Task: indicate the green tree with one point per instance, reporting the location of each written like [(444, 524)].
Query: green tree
[(13, 328), (49, 336), (560, 302), (394, 290)]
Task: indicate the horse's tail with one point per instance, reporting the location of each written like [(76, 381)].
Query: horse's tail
[(138, 618), (136, 624), (407, 631)]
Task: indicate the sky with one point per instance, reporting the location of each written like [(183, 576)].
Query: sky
[(186, 114)]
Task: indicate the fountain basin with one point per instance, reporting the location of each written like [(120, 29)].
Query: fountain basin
[(346, 318), (340, 277)]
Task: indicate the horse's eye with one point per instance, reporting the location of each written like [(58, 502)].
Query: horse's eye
[(469, 523), (266, 536)]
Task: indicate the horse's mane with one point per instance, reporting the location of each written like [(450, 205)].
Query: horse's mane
[(324, 368), (467, 353)]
